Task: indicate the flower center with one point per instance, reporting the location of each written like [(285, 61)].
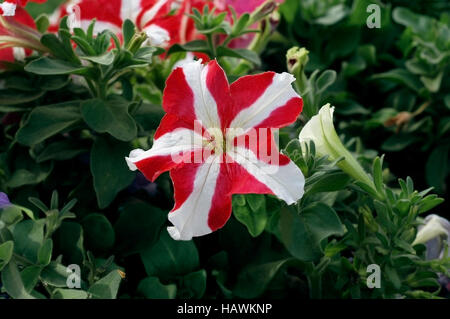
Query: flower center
[(215, 141)]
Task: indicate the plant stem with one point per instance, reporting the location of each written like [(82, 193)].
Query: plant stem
[(211, 45)]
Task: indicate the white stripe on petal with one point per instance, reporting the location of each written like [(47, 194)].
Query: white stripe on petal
[(191, 218), (204, 104), (130, 9), (8, 8), (150, 14), (157, 35), (285, 181), (277, 94), (172, 143), (19, 54)]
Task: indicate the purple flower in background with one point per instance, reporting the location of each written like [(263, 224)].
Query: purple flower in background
[(141, 183), (434, 234), (4, 200)]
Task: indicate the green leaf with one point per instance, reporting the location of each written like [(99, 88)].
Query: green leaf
[(400, 76), (55, 275), (328, 182), (45, 252), (128, 30), (12, 282), (378, 174), (104, 59), (68, 241), (193, 285), (69, 294), (47, 121), (110, 116), (30, 277), (42, 23), (99, 234), (193, 46), (14, 97), (253, 215), (432, 83), (138, 227), (28, 238), (32, 175), (333, 15), (253, 280), (327, 78), (429, 203), (302, 233), (61, 47), (109, 169), (239, 53), (11, 215), (419, 23), (152, 288), (436, 169), (399, 142), (169, 258), (6, 252), (61, 151), (107, 287), (48, 66), (393, 276)]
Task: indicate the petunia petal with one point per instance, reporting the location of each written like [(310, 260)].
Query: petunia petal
[(195, 92), (176, 143), (202, 199), (285, 180), (264, 100)]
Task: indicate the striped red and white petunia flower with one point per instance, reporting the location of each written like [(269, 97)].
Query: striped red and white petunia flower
[(217, 140)]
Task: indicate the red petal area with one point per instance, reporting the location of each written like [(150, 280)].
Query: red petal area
[(245, 183), (154, 166), (21, 16), (23, 3), (148, 5), (183, 178), (284, 115), (262, 143), (247, 89), (6, 55), (178, 97), (220, 210), (105, 11), (171, 122), (217, 84)]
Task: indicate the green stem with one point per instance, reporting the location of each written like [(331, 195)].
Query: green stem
[(211, 45)]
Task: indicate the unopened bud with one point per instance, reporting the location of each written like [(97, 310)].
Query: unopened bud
[(263, 10), (297, 58)]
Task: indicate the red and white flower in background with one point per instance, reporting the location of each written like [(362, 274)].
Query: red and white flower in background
[(164, 21), (179, 27), (235, 144), (18, 34), (8, 7)]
